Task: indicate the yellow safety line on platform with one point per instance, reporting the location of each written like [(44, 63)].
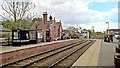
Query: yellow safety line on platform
[(95, 56)]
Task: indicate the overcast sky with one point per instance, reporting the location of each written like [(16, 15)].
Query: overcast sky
[(83, 13)]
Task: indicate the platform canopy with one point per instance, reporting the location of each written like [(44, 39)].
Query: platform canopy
[(114, 31), (3, 29)]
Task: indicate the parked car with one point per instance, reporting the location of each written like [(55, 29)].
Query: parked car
[(65, 36)]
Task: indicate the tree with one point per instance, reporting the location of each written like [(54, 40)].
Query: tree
[(25, 24), (74, 31), (16, 10), (8, 25), (36, 19), (72, 28)]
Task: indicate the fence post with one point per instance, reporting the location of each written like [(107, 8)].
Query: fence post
[(8, 41)]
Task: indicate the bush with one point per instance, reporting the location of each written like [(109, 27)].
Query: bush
[(24, 24)]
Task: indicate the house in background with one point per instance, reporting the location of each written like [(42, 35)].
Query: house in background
[(48, 29), (3, 29), (66, 34), (84, 33), (4, 32)]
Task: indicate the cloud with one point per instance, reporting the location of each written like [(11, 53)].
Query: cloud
[(105, 0), (114, 15), (76, 12)]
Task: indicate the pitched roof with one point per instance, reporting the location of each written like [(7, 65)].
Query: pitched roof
[(39, 25), (3, 29)]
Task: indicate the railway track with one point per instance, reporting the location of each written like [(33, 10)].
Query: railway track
[(68, 60), (34, 59), (61, 58)]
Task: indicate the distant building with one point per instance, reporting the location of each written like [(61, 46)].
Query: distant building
[(71, 34), (3, 29), (66, 34), (50, 29), (84, 33)]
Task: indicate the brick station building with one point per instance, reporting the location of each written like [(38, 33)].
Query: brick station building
[(50, 29)]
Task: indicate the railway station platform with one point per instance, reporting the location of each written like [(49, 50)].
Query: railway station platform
[(4, 49), (100, 54)]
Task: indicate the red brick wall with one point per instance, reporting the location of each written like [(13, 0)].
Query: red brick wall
[(60, 29), (53, 33), (44, 24), (56, 33)]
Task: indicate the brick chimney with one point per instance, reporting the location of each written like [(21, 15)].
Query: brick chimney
[(44, 25), (50, 17), (45, 17)]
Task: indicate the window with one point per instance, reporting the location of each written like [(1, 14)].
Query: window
[(27, 35), (54, 28), (16, 35)]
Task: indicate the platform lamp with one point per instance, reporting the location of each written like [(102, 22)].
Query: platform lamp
[(108, 27)]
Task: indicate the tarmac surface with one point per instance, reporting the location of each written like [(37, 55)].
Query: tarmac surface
[(106, 55)]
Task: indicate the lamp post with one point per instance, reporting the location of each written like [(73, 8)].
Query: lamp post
[(108, 28), (36, 33)]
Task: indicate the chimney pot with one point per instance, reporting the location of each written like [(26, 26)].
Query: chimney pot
[(50, 17), (44, 13), (45, 17)]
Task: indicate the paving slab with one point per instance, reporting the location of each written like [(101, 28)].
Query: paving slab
[(99, 55), (106, 55), (90, 57)]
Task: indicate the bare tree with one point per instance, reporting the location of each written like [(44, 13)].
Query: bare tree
[(72, 28), (30, 16), (16, 10)]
